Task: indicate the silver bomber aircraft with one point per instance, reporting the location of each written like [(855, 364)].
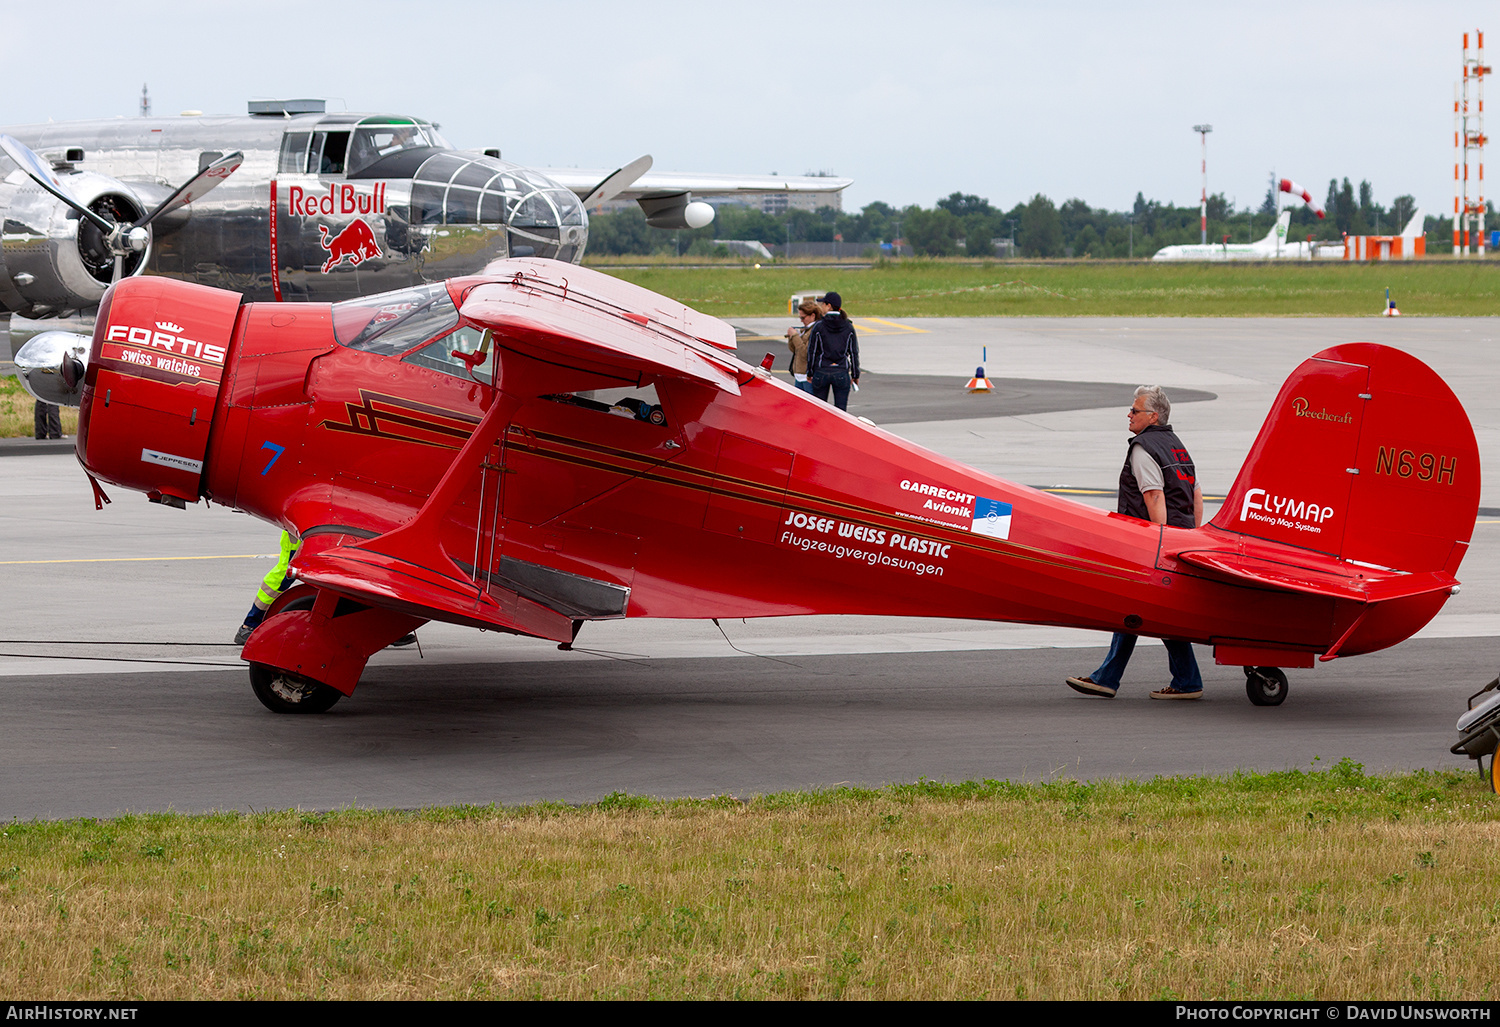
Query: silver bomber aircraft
[(322, 207)]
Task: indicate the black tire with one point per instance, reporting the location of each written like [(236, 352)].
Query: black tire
[(1494, 774), (281, 691), (1266, 686)]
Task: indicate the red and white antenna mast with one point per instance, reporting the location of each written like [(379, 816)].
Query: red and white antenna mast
[(1468, 135), (1204, 130)]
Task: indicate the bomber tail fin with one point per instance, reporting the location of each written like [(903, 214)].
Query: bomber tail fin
[(1367, 461)]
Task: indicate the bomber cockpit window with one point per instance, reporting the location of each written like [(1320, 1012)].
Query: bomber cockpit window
[(326, 157), (294, 153), (380, 137), (395, 321)]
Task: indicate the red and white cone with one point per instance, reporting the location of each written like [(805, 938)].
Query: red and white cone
[(978, 383)]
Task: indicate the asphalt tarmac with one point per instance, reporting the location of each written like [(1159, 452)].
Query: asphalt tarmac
[(118, 690)]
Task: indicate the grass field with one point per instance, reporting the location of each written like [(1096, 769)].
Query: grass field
[(933, 288), (1290, 885), (17, 412)]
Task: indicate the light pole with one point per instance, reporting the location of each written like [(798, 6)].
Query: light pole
[(1204, 130)]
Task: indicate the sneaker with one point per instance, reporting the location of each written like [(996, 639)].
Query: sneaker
[(243, 635), (407, 639), (1174, 693), (1088, 686)]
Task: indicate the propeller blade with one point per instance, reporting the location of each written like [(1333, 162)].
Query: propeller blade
[(196, 187), (42, 175), (615, 184)]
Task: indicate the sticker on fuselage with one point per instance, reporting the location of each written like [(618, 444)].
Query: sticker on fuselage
[(180, 463), (877, 547), (991, 517)]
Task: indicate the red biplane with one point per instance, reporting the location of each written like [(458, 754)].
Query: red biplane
[(544, 445)]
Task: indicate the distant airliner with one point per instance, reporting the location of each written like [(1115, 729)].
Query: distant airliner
[(1274, 246)]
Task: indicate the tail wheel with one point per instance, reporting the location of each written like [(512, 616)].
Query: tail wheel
[(1266, 686), (1494, 774), (281, 691)]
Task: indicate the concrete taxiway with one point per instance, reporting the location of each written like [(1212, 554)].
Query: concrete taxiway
[(118, 692)]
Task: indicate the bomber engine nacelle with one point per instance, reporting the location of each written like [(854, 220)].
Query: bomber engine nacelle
[(152, 382), (678, 210), (54, 259)]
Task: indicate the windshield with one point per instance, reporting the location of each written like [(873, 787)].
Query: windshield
[(377, 138), (394, 322)]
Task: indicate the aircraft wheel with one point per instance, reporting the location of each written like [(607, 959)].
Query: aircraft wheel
[(281, 691), (1266, 686), (1494, 772)]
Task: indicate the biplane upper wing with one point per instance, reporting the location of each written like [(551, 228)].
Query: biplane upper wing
[(552, 312)]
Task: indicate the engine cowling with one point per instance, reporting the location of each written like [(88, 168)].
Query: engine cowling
[(53, 259), (153, 376)]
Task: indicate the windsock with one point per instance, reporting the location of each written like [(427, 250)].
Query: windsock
[(1288, 186)]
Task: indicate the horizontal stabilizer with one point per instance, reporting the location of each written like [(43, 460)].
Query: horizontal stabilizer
[(1336, 581), (395, 584)]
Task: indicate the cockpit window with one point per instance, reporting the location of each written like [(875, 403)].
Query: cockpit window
[(327, 154), (438, 355), (394, 322), (380, 137)]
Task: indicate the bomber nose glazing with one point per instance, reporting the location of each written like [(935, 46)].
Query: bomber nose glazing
[(541, 218)]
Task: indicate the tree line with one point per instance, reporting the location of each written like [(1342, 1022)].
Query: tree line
[(964, 224)]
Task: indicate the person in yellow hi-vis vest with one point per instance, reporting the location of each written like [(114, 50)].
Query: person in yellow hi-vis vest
[(275, 583), (278, 581)]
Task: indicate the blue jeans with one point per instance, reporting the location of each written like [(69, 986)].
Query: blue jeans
[(805, 386), (1180, 659), (825, 378)]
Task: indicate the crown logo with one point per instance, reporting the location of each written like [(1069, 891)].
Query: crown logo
[(168, 326)]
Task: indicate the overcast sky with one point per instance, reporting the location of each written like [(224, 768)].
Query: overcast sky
[(911, 100)]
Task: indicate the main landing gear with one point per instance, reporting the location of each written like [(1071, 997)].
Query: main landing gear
[(1266, 686), (281, 691), (310, 632)]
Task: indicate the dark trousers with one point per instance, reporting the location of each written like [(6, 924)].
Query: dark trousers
[(48, 420), (1180, 660), (835, 378)]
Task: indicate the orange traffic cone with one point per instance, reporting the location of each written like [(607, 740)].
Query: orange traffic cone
[(1390, 306), (978, 383)]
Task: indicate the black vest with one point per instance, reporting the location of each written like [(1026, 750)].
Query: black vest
[(1179, 478)]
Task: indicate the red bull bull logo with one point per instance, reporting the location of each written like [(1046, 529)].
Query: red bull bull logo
[(357, 242)]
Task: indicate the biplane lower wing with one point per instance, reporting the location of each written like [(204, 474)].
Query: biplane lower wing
[(407, 587)]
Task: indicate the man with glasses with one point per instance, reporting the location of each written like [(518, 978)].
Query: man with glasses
[(1158, 484)]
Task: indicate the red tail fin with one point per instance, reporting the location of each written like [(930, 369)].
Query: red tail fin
[(1367, 456)]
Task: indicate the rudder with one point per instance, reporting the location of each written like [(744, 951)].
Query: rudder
[(1366, 456)]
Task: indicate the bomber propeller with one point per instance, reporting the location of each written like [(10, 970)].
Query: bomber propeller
[(119, 237)]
